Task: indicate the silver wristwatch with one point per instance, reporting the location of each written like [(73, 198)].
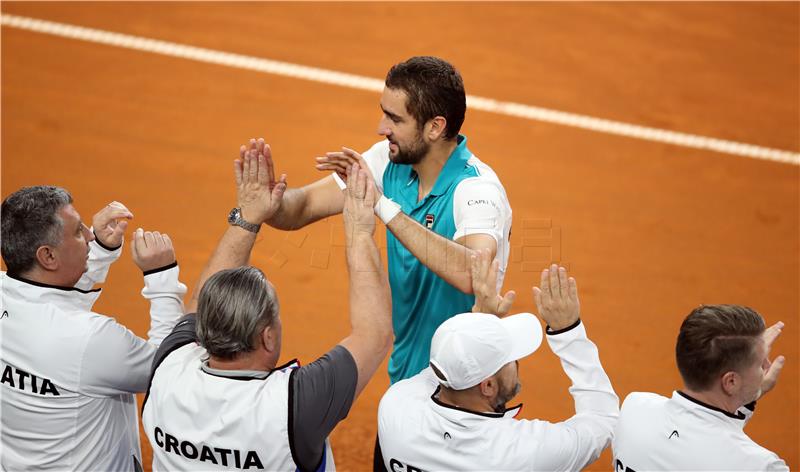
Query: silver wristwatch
[(235, 218)]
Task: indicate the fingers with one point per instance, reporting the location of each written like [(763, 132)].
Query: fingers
[(254, 161), (237, 170), (261, 170), (772, 333), (555, 291), (505, 304), (270, 165), (370, 197), (361, 184), (351, 178), (544, 283), (771, 377), (279, 190), (537, 297), (137, 243), (246, 167), (573, 290), (562, 282)]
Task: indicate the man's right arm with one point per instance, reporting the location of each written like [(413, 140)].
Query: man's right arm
[(370, 296), (308, 204), (575, 443)]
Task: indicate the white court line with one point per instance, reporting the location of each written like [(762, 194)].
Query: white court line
[(376, 85)]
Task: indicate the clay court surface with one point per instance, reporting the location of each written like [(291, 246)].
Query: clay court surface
[(649, 230)]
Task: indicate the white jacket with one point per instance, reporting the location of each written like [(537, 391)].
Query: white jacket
[(417, 431), (68, 375)]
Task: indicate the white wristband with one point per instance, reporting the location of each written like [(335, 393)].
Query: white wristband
[(386, 209)]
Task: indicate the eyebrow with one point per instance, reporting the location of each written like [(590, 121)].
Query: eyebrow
[(390, 114)]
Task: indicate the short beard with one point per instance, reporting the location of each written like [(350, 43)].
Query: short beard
[(505, 396), (414, 154)]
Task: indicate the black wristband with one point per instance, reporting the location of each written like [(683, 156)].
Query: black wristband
[(550, 331), (160, 269), (109, 249)]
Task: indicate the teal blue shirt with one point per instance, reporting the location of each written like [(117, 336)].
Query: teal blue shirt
[(421, 300)]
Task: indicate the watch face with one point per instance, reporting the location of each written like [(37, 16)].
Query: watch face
[(234, 215)]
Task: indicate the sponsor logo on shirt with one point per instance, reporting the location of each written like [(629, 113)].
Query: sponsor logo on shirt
[(204, 453), (482, 201), (429, 219), (19, 379), (620, 467)]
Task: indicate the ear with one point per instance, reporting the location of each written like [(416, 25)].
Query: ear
[(489, 387), (731, 383), (47, 258), (435, 128), (269, 339)]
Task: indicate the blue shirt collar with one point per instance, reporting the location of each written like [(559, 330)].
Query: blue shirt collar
[(453, 167)]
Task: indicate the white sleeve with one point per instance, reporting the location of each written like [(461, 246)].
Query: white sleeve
[(578, 441), (116, 360), (165, 292), (478, 209), (377, 158), (100, 260)]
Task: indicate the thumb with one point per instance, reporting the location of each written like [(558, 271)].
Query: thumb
[(775, 370), (506, 302), (137, 236)]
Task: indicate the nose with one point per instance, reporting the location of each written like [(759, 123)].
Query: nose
[(87, 233), (383, 127)]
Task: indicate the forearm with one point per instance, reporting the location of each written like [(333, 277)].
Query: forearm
[(370, 308), (596, 404), (233, 250), (100, 260), (446, 258), (165, 292), (370, 298), (292, 214), (303, 206)]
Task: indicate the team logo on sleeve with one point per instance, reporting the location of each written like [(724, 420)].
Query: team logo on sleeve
[(429, 221)]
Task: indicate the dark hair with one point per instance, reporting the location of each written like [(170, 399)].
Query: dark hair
[(715, 339), (30, 220), (235, 307), (434, 88)]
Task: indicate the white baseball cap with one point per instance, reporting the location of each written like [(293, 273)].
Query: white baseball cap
[(471, 347)]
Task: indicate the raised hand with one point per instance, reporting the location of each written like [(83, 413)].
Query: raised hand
[(151, 250), (110, 224), (341, 161), (557, 298), (359, 201), (258, 195), (484, 285), (772, 368)]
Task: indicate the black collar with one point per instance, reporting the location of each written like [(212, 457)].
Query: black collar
[(436, 400), (44, 285), (738, 416)]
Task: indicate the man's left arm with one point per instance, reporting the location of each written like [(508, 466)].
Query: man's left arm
[(479, 219)]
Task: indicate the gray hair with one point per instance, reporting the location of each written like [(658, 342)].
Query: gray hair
[(30, 220), (235, 307)]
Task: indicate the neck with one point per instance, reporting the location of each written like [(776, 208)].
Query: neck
[(48, 277), (431, 165), (467, 399), (715, 398), (251, 361)]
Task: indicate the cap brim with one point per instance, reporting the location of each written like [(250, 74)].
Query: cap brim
[(524, 334)]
